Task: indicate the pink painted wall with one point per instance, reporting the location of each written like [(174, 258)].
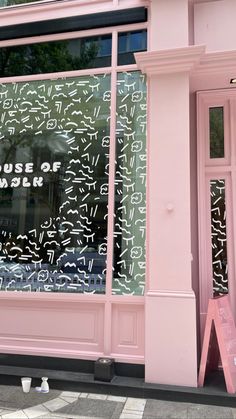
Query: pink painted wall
[(170, 324), (194, 207), (215, 25), (170, 303), (163, 17), (191, 23)]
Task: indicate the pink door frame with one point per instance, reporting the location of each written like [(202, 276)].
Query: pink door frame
[(77, 326), (211, 169)]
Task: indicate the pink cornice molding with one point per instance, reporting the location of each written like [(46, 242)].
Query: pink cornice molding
[(202, 1), (216, 63), (175, 60)]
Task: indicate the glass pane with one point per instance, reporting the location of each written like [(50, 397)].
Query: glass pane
[(54, 145), (218, 237), (216, 132), (4, 3), (130, 184), (50, 57), (130, 42), (136, 41)]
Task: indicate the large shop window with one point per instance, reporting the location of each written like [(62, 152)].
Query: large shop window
[(55, 172)]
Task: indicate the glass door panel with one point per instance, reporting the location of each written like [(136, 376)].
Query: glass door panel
[(218, 237), (130, 185)]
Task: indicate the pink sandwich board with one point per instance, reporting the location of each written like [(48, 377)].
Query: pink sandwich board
[(219, 341)]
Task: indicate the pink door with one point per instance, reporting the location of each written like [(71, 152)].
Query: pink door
[(217, 196)]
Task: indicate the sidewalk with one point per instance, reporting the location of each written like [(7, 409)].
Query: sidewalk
[(14, 404)]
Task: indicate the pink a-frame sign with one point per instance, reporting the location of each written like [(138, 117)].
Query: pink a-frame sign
[(219, 341)]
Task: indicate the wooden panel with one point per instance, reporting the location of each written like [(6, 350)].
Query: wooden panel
[(128, 329), (53, 329)]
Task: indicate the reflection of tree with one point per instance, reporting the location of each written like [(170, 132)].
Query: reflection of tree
[(216, 132), (4, 3), (22, 140), (32, 152), (44, 58)]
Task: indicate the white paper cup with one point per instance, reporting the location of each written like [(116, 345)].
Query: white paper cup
[(26, 384)]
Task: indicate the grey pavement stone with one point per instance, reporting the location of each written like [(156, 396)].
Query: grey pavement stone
[(135, 404), (200, 411), (97, 396), (12, 397), (160, 409), (131, 414), (4, 411), (93, 408), (117, 399), (18, 414), (55, 404), (35, 411), (54, 416)]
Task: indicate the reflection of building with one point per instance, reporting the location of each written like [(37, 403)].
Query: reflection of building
[(57, 280), (79, 97)]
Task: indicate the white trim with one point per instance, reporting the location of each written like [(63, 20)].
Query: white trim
[(171, 294), (40, 11)]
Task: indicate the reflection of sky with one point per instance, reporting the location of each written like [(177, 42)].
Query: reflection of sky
[(132, 41)]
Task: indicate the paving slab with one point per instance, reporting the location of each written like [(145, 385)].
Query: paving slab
[(62, 404), (13, 398), (93, 408), (160, 409), (209, 412)]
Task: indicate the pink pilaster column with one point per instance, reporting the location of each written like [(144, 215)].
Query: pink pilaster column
[(170, 306), (170, 328)]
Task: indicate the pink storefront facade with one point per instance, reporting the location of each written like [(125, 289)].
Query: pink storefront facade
[(133, 166)]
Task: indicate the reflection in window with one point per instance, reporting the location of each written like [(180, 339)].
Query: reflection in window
[(216, 132), (130, 183), (70, 55), (53, 184), (50, 57), (218, 237), (130, 42), (5, 3)]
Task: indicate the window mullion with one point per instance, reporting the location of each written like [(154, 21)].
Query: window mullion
[(112, 155)]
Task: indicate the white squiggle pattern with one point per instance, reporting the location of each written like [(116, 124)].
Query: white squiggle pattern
[(218, 237), (130, 202), (66, 251)]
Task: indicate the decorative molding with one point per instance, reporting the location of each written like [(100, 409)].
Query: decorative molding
[(32, 11), (175, 60), (127, 330), (42, 10), (216, 63), (37, 298), (171, 294), (202, 1)]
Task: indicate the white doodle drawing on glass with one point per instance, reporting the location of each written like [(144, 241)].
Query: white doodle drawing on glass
[(54, 155), (130, 183)]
